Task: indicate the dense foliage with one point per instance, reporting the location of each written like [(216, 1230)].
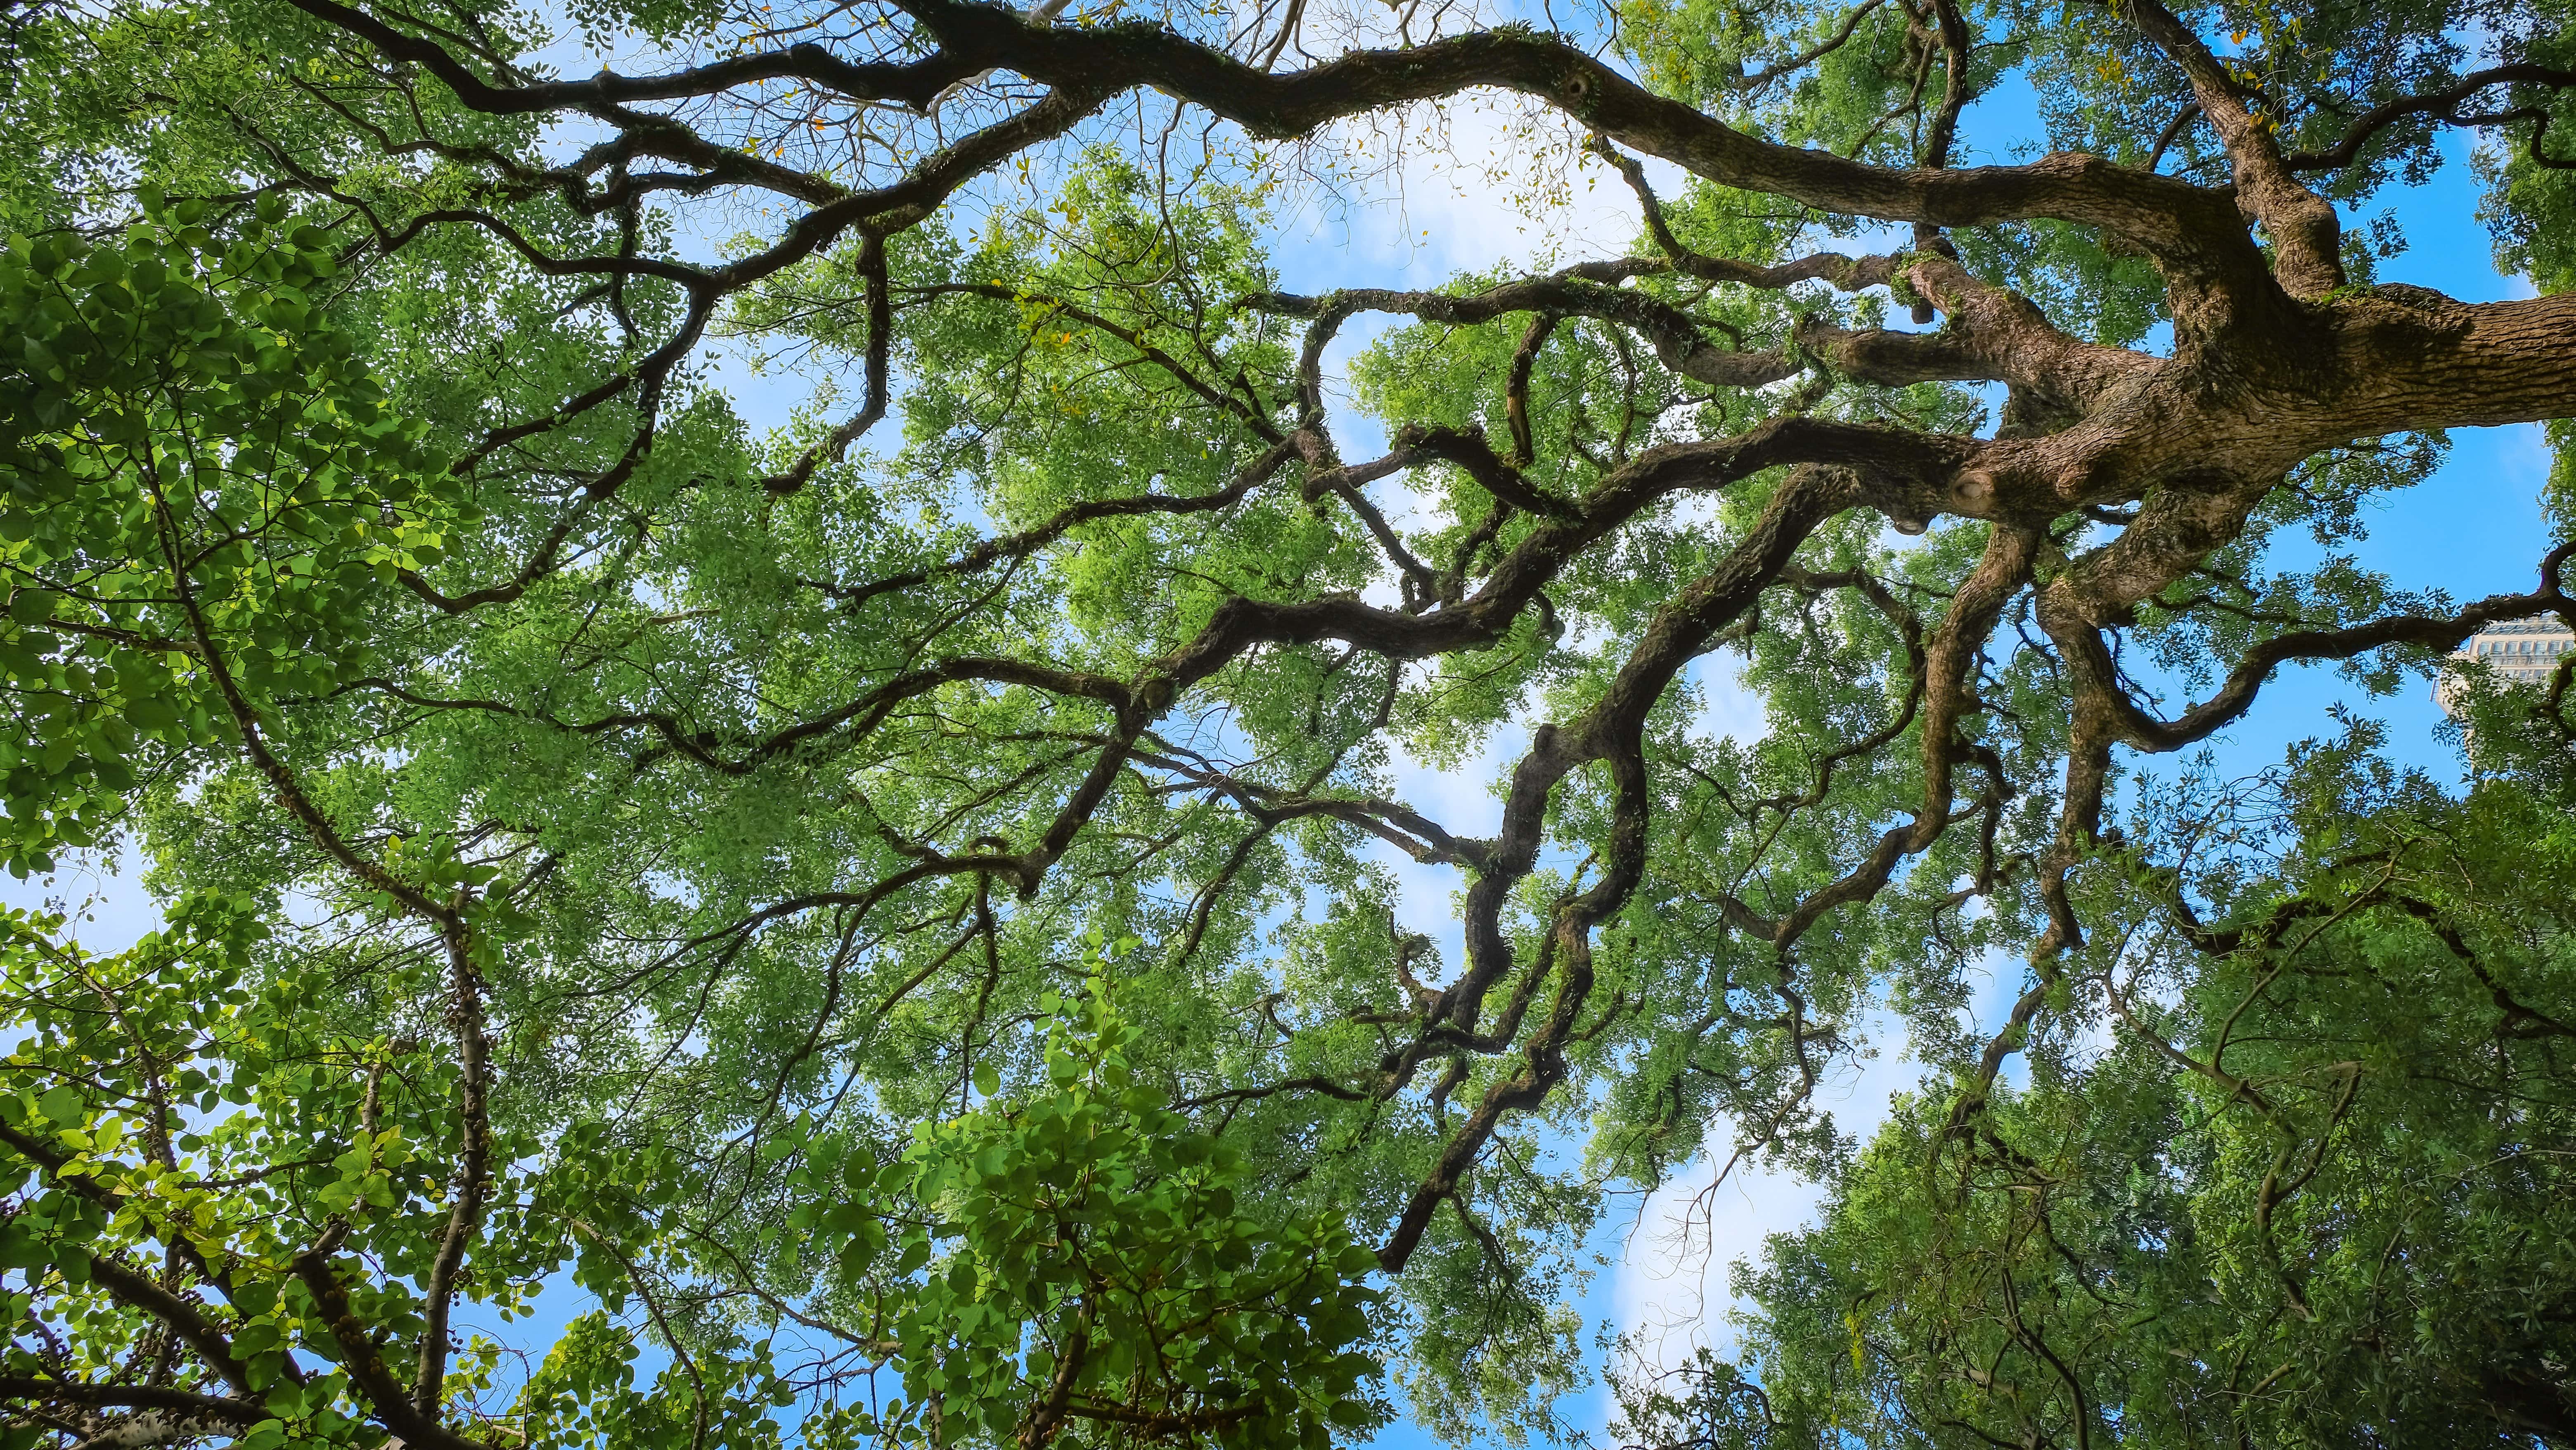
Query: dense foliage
[(873, 919), (2311, 1187)]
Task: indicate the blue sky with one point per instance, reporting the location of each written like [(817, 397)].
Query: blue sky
[(2473, 529)]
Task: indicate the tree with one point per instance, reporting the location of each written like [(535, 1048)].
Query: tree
[(2312, 1191), (900, 896)]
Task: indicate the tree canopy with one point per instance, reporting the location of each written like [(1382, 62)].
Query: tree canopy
[(890, 912)]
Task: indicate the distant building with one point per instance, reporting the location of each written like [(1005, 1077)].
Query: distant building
[(2525, 650)]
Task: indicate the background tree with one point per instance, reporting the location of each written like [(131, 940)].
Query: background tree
[(610, 843), (2311, 1190)]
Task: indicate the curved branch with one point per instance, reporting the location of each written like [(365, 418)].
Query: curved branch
[(2441, 103), (871, 267), (1072, 516), (1610, 730), (2306, 234), (2187, 227), (914, 84), (2246, 680)]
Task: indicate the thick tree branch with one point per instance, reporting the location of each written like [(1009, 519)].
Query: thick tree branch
[(2306, 235)]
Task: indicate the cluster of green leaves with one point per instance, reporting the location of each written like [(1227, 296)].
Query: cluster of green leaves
[(1075, 1250), (1857, 93), (2313, 1190), (1097, 1266), (196, 470), (163, 1115)]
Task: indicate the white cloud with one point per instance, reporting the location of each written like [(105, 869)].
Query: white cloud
[(1675, 1282), (107, 907), (2526, 454), (1491, 180), (1463, 801), (1729, 708)]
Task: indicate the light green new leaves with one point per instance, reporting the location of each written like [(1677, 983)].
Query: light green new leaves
[(195, 472), (1072, 1259), (1085, 1262)]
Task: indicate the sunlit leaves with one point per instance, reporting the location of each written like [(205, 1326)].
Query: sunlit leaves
[(196, 464), (1087, 1260), (163, 1117)]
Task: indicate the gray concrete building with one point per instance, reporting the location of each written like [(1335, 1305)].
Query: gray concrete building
[(2523, 650)]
